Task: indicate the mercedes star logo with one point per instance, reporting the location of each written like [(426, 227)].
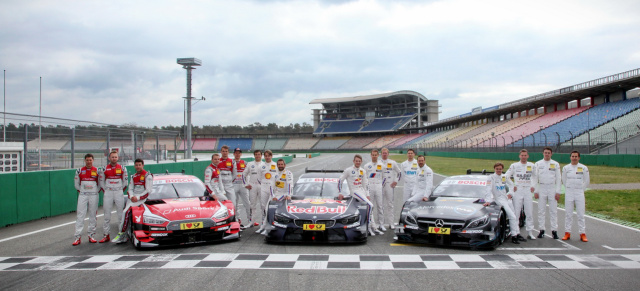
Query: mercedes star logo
[(439, 222)]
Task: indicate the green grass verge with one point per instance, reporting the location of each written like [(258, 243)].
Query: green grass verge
[(621, 206), (459, 166)]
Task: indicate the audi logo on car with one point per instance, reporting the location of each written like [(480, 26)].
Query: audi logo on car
[(190, 216), (439, 223)]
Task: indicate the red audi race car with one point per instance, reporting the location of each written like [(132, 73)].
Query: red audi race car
[(179, 211)]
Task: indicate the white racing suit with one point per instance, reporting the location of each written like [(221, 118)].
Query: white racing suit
[(358, 183), (227, 175), (266, 179), (114, 181), (423, 184), (391, 172), (140, 187), (374, 175), (213, 183), (549, 181), (87, 182), (242, 193), (525, 178), (280, 189), (409, 173), (576, 180), (250, 176), (497, 192)]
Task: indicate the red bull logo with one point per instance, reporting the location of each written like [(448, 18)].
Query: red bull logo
[(317, 209)]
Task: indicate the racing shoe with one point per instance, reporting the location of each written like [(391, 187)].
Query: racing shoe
[(92, 240), (256, 224), (520, 238), (105, 239), (120, 238), (382, 228), (76, 242), (583, 237), (371, 233), (531, 236), (515, 240), (541, 234), (377, 231), (567, 236), (555, 234), (260, 230), (391, 226)]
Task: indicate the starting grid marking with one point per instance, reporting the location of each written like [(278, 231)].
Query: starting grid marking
[(319, 262)]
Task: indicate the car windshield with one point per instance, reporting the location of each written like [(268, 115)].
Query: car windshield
[(325, 187), (461, 188), (168, 189)]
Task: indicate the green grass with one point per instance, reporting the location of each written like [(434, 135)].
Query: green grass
[(616, 205), (459, 166)]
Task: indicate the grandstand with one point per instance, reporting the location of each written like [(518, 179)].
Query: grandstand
[(357, 143), (625, 126), (384, 141), (244, 144), (296, 143), (331, 143), (378, 113)]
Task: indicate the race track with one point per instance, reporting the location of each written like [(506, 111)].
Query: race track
[(39, 255)]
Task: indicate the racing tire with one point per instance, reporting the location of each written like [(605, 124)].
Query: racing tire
[(132, 237), (502, 228)]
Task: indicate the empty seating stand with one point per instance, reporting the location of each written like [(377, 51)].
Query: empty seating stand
[(243, 143), (331, 143)]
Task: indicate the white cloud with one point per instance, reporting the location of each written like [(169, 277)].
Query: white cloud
[(114, 62)]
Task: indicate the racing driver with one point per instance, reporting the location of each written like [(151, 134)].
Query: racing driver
[(141, 185), (114, 181), (409, 173), (524, 174), (250, 181), (212, 179), (374, 175), (86, 182), (266, 179), (282, 188), (498, 193), (358, 186), (390, 176), (239, 166), (575, 177), (227, 173), (424, 182)]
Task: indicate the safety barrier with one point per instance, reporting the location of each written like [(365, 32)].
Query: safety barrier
[(34, 195), (624, 161)]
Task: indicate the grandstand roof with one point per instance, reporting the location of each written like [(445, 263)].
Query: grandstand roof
[(610, 84), (368, 97)]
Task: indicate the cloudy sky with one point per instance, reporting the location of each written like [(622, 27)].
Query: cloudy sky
[(263, 61)]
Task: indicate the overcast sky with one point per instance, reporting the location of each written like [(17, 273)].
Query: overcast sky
[(264, 61)]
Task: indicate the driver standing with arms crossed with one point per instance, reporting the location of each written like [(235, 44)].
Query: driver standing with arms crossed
[(524, 174), (424, 182)]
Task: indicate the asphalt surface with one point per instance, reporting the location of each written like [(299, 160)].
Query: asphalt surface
[(39, 255)]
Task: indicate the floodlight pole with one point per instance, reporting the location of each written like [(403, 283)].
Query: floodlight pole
[(187, 64)]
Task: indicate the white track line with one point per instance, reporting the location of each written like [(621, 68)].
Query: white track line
[(45, 229)]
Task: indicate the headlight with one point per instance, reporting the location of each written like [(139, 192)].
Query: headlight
[(409, 219), (479, 222), (221, 214), (350, 219), (279, 218), (153, 219)]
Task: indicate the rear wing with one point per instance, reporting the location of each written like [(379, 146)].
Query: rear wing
[(167, 173), (483, 172), (307, 170)]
